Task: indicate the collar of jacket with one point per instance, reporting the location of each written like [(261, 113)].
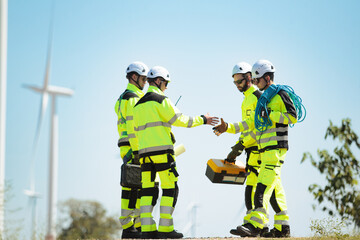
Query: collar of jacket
[(250, 90), (135, 89), (155, 90)]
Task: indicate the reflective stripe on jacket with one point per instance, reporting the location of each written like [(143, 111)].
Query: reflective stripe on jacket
[(124, 111), (248, 137), (154, 115), (282, 113)]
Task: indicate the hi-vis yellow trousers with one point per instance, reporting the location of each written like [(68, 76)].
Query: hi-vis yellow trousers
[(130, 202), (270, 190), (164, 166)]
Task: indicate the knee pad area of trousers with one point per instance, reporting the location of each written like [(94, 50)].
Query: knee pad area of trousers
[(259, 195)]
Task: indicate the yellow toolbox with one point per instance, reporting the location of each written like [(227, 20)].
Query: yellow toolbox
[(219, 172)]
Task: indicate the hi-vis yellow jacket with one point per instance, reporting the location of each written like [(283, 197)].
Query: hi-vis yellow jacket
[(124, 110), (282, 113), (248, 106), (154, 115)]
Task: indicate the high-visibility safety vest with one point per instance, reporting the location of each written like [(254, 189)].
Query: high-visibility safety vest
[(154, 115), (124, 110), (282, 113), (248, 106)]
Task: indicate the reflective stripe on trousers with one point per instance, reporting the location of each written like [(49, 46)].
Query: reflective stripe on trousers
[(130, 208), (269, 183), (168, 199), (281, 219)]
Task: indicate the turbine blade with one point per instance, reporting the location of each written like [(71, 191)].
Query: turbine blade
[(48, 65), (43, 106), (55, 90), (48, 58), (48, 68)]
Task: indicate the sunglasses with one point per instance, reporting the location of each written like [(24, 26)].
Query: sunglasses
[(166, 82), (238, 82)]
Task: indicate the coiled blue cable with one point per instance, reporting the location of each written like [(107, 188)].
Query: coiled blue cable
[(262, 123)]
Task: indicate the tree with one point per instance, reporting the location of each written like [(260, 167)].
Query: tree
[(12, 225), (341, 171), (85, 220)]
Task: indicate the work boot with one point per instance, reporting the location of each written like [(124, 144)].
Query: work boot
[(236, 232), (173, 234), (274, 233), (264, 231), (149, 235), (248, 230), (130, 232)]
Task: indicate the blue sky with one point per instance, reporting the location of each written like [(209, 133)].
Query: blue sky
[(313, 45)]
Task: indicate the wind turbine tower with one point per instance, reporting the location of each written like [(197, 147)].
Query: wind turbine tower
[(192, 213), (3, 72), (53, 91), (33, 196)]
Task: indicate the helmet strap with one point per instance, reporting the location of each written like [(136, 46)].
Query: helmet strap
[(159, 86), (267, 80), (137, 82)]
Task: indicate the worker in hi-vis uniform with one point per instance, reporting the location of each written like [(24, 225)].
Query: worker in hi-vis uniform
[(154, 115), (128, 143), (272, 141), (241, 74)]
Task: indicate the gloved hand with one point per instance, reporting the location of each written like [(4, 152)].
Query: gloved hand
[(136, 159), (226, 160), (172, 138), (221, 128), (236, 151), (265, 114)]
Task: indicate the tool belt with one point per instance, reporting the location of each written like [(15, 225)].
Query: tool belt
[(158, 167)]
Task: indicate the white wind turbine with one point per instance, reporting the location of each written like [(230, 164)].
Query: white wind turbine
[(53, 91), (33, 196), (31, 193), (3, 76), (192, 213)]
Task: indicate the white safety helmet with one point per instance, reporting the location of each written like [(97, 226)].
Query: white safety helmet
[(159, 71), (261, 67), (138, 67), (241, 67)]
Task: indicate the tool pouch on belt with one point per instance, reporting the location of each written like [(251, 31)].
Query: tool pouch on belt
[(130, 173), (169, 165)]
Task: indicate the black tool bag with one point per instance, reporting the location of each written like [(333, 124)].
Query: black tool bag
[(130, 175)]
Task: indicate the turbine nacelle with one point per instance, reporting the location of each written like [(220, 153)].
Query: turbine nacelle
[(32, 194)]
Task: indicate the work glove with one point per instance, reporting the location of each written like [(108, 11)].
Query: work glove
[(221, 128), (136, 159), (172, 138), (236, 151), (265, 114)]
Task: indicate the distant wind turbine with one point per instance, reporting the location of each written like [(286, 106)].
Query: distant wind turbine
[(192, 213), (53, 91), (3, 76), (33, 196)]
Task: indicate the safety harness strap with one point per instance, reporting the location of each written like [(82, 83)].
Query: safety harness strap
[(251, 169), (158, 167), (128, 156), (119, 109)]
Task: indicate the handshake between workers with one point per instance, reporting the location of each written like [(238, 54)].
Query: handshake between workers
[(237, 149)]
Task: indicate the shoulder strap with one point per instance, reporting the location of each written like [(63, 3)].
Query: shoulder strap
[(123, 120)]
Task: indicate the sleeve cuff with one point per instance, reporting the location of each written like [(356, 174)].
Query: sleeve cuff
[(204, 118)]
